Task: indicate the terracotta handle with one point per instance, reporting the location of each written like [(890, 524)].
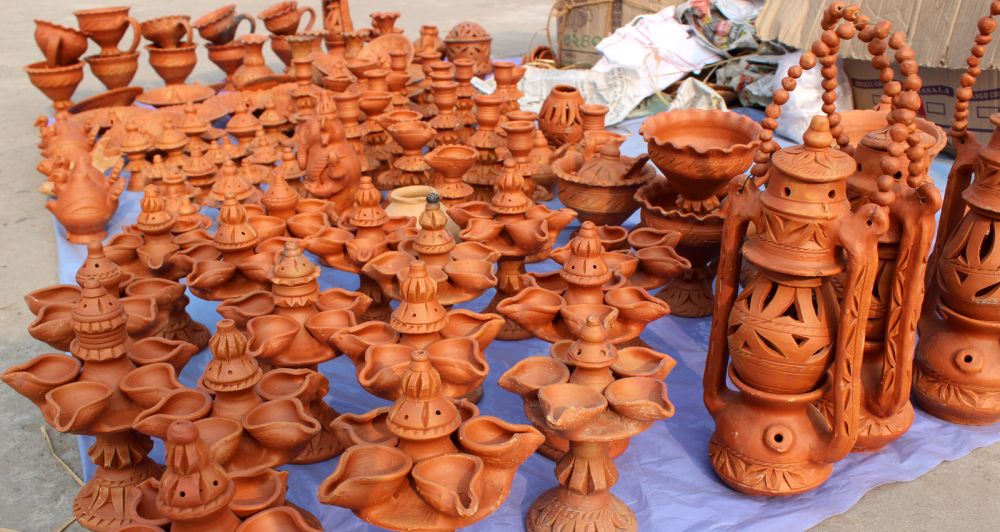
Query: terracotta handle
[(312, 16), (190, 31), (136, 34), (240, 18), (52, 52)]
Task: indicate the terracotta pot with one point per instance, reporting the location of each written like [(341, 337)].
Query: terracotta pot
[(106, 26), (58, 83), (62, 46), (169, 31), (116, 70), (283, 18), (470, 40), (408, 201), (560, 118), (219, 25), (174, 65)]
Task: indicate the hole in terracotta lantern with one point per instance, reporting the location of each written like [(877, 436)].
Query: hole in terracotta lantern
[(215, 482), (787, 192), (859, 168), (832, 194), (182, 494), (437, 412), (968, 359), (778, 438), (898, 174)]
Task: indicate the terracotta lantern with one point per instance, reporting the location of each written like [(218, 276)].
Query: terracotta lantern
[(470, 40), (957, 367), (591, 397), (427, 462)]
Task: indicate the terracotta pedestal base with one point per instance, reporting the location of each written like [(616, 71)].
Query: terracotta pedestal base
[(555, 446), (83, 238), (104, 502), (562, 509), (877, 432), (324, 445), (690, 294)]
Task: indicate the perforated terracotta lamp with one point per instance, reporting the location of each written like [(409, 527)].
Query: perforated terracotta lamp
[(404, 470), (517, 228)]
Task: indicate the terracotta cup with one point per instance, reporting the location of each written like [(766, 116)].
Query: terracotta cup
[(168, 31), (219, 25), (283, 18), (57, 83), (174, 65), (228, 57), (116, 70), (107, 25), (62, 46)]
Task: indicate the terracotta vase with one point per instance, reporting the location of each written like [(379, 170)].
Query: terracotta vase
[(254, 67), (106, 27), (517, 228), (409, 473), (450, 164), (470, 40), (560, 118), (766, 427), (486, 142), (507, 75), (699, 152), (169, 31), (80, 395), (219, 25), (956, 375), (583, 384), (62, 46), (86, 202)]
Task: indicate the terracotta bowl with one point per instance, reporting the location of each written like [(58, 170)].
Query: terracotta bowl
[(700, 150), (114, 71), (42, 374), (174, 65)]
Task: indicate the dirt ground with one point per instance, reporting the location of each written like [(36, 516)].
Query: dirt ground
[(36, 493)]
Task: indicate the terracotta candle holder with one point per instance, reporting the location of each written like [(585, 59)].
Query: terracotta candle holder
[(359, 237), (409, 168), (464, 72), (373, 136), (80, 395), (106, 27), (450, 164), (520, 136), (349, 112), (591, 398), (446, 122), (254, 68), (387, 120), (956, 377), (507, 75), (86, 201), (517, 228), (57, 83), (114, 71), (409, 473), (698, 151), (485, 140), (61, 45), (592, 281)]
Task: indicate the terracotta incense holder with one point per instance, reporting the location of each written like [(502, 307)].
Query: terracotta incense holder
[(590, 397), (427, 462), (513, 225)]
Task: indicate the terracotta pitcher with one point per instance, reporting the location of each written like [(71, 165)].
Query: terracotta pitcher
[(283, 18), (472, 41), (219, 25), (168, 31)]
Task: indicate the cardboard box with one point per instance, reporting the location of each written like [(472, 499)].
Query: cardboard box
[(581, 24), (940, 32)]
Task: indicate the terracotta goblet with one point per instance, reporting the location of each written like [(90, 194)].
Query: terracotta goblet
[(61, 45), (57, 83), (228, 57), (219, 25), (283, 18), (115, 70), (168, 31), (106, 26), (174, 65)]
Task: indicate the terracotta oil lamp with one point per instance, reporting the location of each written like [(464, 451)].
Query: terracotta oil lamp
[(507, 75), (288, 170), (450, 164), (462, 271), (57, 83), (956, 373), (219, 25), (176, 190), (263, 152), (601, 189), (409, 168), (520, 135), (171, 143), (452, 339), (195, 178), (147, 248), (517, 228), (592, 281), (592, 398), (486, 141), (349, 112), (337, 22), (410, 474), (171, 307), (280, 200), (698, 151), (373, 136), (254, 67), (559, 118), (86, 201), (273, 122), (249, 431), (80, 395), (194, 127), (223, 501), (106, 26), (470, 41), (366, 232), (229, 183), (235, 269), (788, 335), (135, 146)]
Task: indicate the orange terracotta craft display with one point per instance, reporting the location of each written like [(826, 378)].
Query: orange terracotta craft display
[(591, 396), (698, 151), (514, 226), (553, 306), (956, 373), (426, 462), (455, 340), (81, 395)]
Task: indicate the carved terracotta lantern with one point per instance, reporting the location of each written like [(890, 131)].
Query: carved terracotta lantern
[(957, 367), (404, 470), (80, 395), (592, 398), (786, 333), (517, 228)]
